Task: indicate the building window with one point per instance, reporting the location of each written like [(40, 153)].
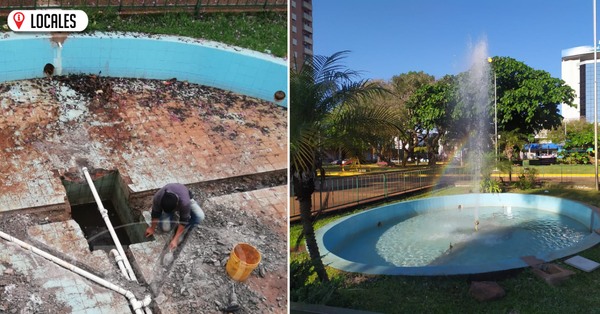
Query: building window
[(294, 28), (295, 67), (293, 4), (295, 54), (306, 23), (294, 41), (294, 16), (307, 46)]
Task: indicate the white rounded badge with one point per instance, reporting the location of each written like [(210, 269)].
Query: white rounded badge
[(47, 20)]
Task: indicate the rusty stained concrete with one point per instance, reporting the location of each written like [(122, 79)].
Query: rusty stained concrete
[(152, 132)]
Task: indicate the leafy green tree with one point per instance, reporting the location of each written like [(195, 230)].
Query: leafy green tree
[(430, 107), (528, 99), (404, 86), (324, 93), (568, 129), (380, 141), (469, 112), (356, 138)]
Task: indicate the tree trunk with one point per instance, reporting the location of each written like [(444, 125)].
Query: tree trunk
[(408, 152), (509, 152), (304, 190), (430, 149)]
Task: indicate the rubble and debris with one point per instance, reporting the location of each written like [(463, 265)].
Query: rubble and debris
[(233, 302)]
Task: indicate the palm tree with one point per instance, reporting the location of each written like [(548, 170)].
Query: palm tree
[(324, 93), (511, 140)]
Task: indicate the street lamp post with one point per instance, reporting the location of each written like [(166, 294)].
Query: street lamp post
[(495, 112), (595, 100)]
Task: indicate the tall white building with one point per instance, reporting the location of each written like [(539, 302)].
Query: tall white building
[(577, 70)]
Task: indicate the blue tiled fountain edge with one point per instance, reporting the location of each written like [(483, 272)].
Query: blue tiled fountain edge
[(422, 206), (244, 71)]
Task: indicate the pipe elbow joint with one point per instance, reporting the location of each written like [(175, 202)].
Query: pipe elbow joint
[(129, 295), (135, 304), (147, 300)]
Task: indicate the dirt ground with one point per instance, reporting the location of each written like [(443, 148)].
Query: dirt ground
[(197, 281)]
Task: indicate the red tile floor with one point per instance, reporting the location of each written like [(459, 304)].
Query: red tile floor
[(151, 132)]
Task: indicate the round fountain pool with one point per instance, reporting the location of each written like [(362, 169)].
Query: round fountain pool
[(437, 236)]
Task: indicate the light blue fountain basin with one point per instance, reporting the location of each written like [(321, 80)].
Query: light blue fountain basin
[(255, 74), (414, 237)]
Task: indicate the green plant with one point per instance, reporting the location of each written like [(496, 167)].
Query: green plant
[(264, 32), (527, 179), (489, 185), (420, 150), (574, 158), (304, 287)]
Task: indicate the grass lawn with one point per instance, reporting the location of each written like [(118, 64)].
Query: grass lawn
[(369, 169), (564, 169), (568, 171), (526, 293), (263, 31)]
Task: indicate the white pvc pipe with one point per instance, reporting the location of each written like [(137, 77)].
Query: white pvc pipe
[(111, 230), (135, 304), (146, 303), (119, 260)]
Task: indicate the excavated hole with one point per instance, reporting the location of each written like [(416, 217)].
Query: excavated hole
[(92, 224), (84, 210)]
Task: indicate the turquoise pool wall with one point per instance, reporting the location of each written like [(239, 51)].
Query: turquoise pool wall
[(23, 56), (345, 228)]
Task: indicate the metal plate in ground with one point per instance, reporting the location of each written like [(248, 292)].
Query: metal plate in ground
[(582, 263)]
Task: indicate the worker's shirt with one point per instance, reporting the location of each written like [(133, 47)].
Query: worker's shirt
[(183, 206)]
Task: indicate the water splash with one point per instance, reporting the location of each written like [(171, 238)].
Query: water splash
[(475, 90)]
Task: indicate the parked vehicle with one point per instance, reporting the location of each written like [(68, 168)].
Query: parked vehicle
[(346, 161)]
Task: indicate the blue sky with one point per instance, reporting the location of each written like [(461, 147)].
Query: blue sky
[(391, 37)]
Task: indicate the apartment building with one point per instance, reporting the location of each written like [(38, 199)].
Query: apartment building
[(577, 70), (301, 33)]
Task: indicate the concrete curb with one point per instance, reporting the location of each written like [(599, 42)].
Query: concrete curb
[(299, 308)]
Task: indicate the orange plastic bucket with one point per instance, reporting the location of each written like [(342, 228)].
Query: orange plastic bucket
[(242, 261)]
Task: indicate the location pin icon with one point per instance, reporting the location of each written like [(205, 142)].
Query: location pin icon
[(19, 18)]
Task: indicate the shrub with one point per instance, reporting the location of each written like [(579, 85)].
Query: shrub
[(304, 287), (489, 185), (527, 179)]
